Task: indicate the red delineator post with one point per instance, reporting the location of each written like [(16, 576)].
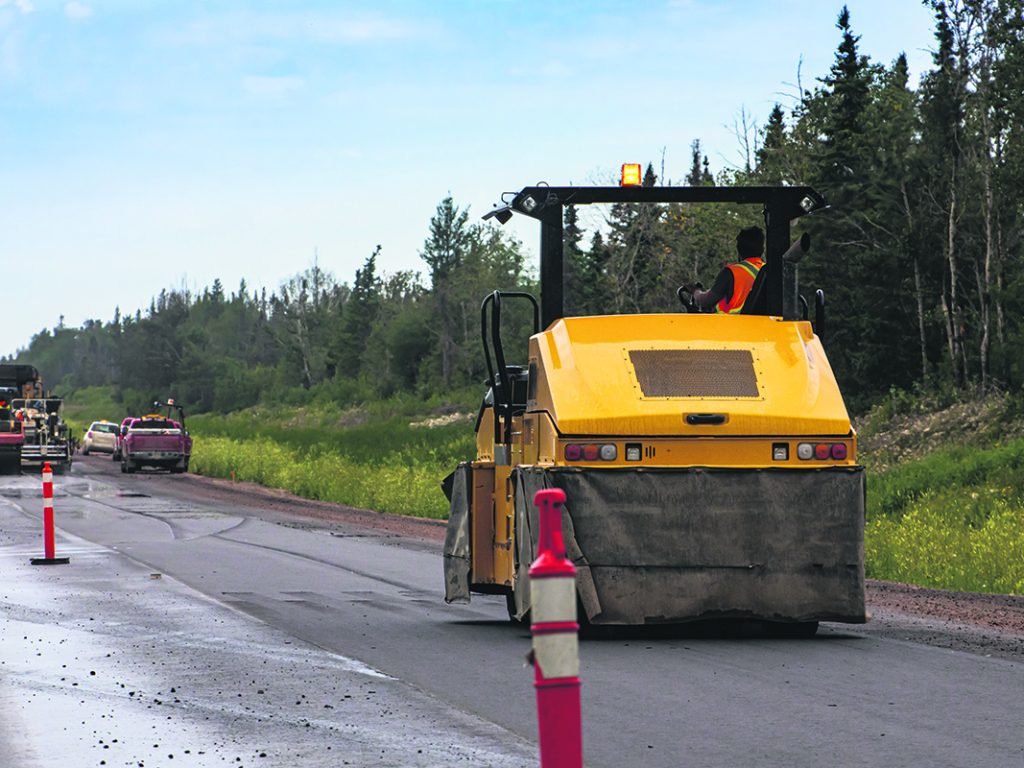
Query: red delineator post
[(48, 529), (556, 659)]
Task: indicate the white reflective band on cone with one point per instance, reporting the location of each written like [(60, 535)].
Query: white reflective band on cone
[(557, 655), (553, 599)]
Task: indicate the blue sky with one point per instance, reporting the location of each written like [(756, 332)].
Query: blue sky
[(146, 145)]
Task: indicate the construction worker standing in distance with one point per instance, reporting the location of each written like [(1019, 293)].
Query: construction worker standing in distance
[(733, 284)]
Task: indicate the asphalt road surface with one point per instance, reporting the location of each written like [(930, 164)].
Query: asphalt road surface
[(357, 660)]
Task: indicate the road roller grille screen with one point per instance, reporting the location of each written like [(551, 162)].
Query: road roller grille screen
[(695, 372)]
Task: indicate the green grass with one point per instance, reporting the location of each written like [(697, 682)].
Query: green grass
[(402, 484), (892, 492), (951, 520), (370, 457)]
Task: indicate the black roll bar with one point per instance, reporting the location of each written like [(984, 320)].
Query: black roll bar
[(780, 205)]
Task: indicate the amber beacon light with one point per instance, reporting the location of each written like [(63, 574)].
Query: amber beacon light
[(630, 175)]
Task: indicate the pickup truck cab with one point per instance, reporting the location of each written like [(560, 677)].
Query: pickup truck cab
[(122, 430), (155, 441)]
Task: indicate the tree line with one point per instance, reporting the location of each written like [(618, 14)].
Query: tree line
[(919, 254)]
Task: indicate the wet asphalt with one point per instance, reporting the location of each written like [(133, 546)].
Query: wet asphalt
[(291, 644)]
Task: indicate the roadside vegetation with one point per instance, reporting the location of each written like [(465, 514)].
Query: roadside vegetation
[(946, 493), (389, 456)]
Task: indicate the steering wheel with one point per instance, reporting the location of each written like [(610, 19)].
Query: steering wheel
[(685, 295)]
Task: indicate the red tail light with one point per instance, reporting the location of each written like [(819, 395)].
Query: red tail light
[(573, 453), (591, 452), (822, 451), (839, 452)]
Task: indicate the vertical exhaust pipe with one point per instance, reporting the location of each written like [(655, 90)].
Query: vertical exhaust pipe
[(791, 309)]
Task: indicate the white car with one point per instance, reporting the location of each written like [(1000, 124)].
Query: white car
[(100, 438)]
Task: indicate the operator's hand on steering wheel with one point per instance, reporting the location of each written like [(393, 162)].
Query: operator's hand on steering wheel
[(685, 294)]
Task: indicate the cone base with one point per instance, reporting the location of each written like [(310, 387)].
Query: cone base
[(50, 560)]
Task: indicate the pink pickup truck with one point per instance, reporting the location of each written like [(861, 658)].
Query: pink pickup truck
[(155, 441)]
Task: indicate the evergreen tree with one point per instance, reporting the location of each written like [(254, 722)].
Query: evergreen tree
[(443, 252), (359, 315), (771, 153), (572, 261)]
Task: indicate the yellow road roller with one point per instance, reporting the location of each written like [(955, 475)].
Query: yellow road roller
[(708, 460)]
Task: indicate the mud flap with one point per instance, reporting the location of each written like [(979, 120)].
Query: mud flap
[(527, 483), (669, 545), (459, 490)]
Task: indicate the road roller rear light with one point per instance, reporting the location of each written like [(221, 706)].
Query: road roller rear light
[(838, 451), (591, 452), (822, 451), (805, 451)]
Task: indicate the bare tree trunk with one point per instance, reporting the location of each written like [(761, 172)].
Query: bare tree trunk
[(1000, 317), (918, 291), (920, 319), (954, 320), (984, 288), (948, 322)]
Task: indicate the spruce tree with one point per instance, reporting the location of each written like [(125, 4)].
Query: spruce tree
[(443, 252), (572, 261), (358, 318)]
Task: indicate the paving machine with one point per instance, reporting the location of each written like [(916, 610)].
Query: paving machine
[(709, 461), (15, 382), (48, 438)]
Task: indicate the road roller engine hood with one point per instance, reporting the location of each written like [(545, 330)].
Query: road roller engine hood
[(684, 375)]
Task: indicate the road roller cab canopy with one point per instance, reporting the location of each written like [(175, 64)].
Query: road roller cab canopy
[(774, 291)]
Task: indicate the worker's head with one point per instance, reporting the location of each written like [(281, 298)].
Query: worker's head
[(750, 242)]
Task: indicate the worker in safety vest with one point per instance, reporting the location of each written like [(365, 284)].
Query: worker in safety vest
[(733, 284)]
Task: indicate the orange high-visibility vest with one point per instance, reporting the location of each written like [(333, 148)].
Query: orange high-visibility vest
[(743, 274)]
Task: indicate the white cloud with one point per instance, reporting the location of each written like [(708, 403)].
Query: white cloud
[(272, 87), (314, 27), (22, 5), (77, 11)]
